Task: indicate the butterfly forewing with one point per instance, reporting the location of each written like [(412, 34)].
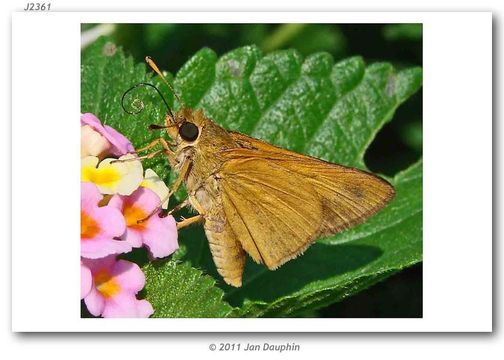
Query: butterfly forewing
[(273, 215), (278, 202)]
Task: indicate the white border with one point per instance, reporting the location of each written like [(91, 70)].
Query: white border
[(457, 174)]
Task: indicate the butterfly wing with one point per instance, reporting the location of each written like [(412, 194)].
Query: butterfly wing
[(278, 202), (273, 216)]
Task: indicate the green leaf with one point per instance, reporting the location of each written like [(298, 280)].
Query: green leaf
[(331, 111), (177, 290), (305, 38), (395, 32)]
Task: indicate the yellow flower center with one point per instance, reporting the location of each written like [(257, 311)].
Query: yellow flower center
[(106, 285), (132, 214), (89, 227), (106, 176)]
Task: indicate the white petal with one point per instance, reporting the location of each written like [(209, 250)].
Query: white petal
[(153, 182)]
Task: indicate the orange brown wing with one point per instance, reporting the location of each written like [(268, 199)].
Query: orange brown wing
[(278, 202)]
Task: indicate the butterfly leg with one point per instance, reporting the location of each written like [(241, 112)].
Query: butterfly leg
[(197, 218), (182, 205), (140, 158), (176, 185), (196, 205), (166, 150), (153, 143), (192, 220)]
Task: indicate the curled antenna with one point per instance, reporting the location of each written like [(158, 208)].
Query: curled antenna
[(138, 104)]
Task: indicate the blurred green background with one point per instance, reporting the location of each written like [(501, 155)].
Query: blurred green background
[(398, 144)]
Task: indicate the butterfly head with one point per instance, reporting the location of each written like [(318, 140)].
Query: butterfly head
[(185, 127)]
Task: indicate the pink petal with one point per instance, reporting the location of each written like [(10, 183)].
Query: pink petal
[(133, 237), (111, 224), (129, 276), (144, 309), (123, 304), (95, 266), (117, 201), (126, 305), (145, 199), (110, 220), (101, 247), (120, 144), (90, 196), (86, 281), (91, 120), (95, 303), (161, 236)]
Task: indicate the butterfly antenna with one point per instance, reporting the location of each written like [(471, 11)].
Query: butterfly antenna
[(154, 67), (138, 104)]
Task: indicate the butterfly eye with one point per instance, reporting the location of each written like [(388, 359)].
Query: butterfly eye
[(188, 131)]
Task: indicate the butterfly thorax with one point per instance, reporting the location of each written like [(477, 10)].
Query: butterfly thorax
[(204, 156)]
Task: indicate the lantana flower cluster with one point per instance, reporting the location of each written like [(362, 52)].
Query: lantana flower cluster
[(117, 204)]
